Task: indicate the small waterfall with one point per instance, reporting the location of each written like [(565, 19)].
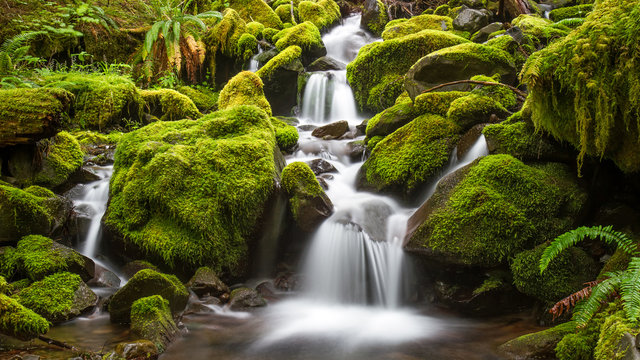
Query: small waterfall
[(93, 203), (343, 42), (314, 101), (254, 65)]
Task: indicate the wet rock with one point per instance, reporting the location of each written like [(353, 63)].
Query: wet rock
[(145, 283), (281, 86), (323, 183), (287, 281), (205, 281), (267, 290), (151, 320), (468, 139), (138, 350), (308, 202), (356, 150), (133, 267), (307, 127), (361, 128), (246, 298), (104, 278), (482, 35), (321, 166), (539, 345), (326, 63), (331, 131), (470, 20), (374, 17)]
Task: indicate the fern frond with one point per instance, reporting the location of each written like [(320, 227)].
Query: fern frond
[(20, 40), (150, 38), (630, 289), (570, 301), (584, 311)]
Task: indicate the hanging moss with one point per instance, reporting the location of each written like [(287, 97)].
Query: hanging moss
[(285, 57), (584, 88), (578, 11), (169, 105), (416, 24), (321, 13), (244, 89), (410, 156), (286, 135), (376, 75), (256, 10), (20, 322), (224, 36)]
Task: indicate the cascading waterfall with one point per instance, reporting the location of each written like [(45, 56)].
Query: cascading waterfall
[(92, 202)]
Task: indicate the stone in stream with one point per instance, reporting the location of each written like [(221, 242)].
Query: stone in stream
[(246, 298), (280, 77), (104, 278), (308, 202), (321, 166), (151, 320), (331, 131), (326, 63), (538, 345), (470, 20), (482, 35), (132, 267), (205, 281), (130, 350)]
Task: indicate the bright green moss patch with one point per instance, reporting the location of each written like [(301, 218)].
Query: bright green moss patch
[(612, 331), (376, 75), (285, 57), (4, 285), (62, 157), (256, 10), (297, 178), (20, 322), (391, 119), (255, 28), (498, 207), (224, 36), (410, 156), (518, 139), (416, 24), (169, 105), (502, 94), (584, 88), (286, 135), (539, 27), (578, 11), (205, 100), (101, 101), (305, 194), (376, 24), (437, 102), (305, 35), (473, 109), (8, 262), (269, 33), (190, 193), (23, 213), (566, 274), (247, 46), (244, 89), (39, 256), (151, 319), (321, 13)]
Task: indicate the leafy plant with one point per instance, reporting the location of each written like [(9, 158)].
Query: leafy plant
[(625, 284)]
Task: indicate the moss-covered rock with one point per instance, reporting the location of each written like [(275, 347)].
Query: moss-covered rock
[(280, 76), (391, 119), (205, 281), (566, 274), (308, 202), (402, 27), (223, 53), (540, 28), (515, 48), (492, 209), (34, 210), (255, 28), (286, 135), (145, 283), (502, 94), (458, 62), (256, 10), (409, 157), (306, 36), (101, 101), (151, 320), (208, 180), (474, 109), (242, 298), (58, 297), (374, 16), (538, 345), (583, 88), (244, 89), (284, 58), (437, 102), (204, 99), (20, 322), (284, 13), (8, 262), (28, 115), (578, 11), (169, 105), (321, 13), (377, 73)]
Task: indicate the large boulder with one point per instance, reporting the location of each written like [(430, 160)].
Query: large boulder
[(28, 115), (256, 10), (151, 320), (376, 75), (580, 95), (34, 210), (403, 27), (59, 297), (492, 209), (280, 78), (322, 13), (145, 283), (20, 322), (209, 180), (471, 20), (459, 62), (308, 202)]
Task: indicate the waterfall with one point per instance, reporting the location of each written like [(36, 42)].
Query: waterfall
[(314, 101), (92, 203)]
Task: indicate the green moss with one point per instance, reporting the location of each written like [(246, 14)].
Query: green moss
[(31, 112), (302, 186), (4, 285), (499, 207), (256, 10), (618, 262), (437, 102), (583, 88), (305, 35), (442, 10), (8, 262), (255, 28), (284, 12), (411, 155), (39, 256), (101, 101), (19, 285), (515, 49), (169, 105), (286, 135), (269, 33), (502, 94), (206, 100), (151, 319), (578, 11), (566, 274), (53, 296), (580, 344), (224, 36), (23, 213), (373, 142), (190, 193), (380, 66), (541, 340), (416, 24), (20, 322), (247, 46), (285, 57), (321, 13), (391, 119), (376, 24), (62, 157), (612, 330), (539, 27), (473, 109), (244, 89), (518, 139)]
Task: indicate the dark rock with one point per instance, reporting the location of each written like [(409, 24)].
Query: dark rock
[(138, 350), (307, 127), (323, 184), (482, 35), (313, 212), (104, 278), (267, 290), (331, 131), (470, 20), (356, 150), (281, 87), (321, 166), (539, 345), (361, 128), (246, 298), (516, 33), (134, 266), (326, 63), (468, 139), (205, 281)]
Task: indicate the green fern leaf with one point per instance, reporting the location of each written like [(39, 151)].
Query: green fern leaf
[(630, 289), (584, 311)]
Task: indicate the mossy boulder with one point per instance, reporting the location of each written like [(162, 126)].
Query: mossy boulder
[(538, 345), (145, 283), (578, 11), (492, 209), (322, 13), (409, 157), (34, 210), (244, 89), (474, 109), (169, 105), (458, 62), (402, 27), (37, 256), (284, 13), (151, 320), (306, 36), (256, 10), (59, 297), (308, 202), (205, 281), (376, 75), (29, 115), (391, 119), (20, 322), (280, 76), (222, 40), (471, 20), (204, 99), (374, 16), (436, 102), (583, 88), (540, 28), (565, 275), (286, 135)]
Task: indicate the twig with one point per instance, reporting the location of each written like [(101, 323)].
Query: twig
[(515, 90), (57, 343)]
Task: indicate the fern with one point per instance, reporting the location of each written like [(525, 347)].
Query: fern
[(571, 238), (585, 310), (630, 289)]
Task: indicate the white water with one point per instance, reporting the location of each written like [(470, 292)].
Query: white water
[(254, 65)]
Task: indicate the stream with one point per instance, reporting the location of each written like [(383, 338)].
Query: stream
[(352, 303)]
